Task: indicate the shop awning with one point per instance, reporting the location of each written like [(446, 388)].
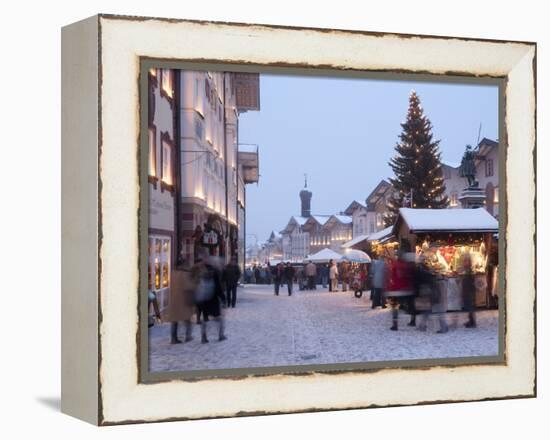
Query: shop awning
[(447, 220)]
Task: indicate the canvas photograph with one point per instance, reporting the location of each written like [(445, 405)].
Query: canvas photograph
[(304, 222), (263, 219)]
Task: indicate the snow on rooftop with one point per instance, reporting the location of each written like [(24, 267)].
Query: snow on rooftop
[(300, 220), (324, 255), (460, 220), (245, 148), (321, 219), (344, 218), (355, 240), (375, 236)]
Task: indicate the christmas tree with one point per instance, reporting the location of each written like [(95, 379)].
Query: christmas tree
[(418, 181)]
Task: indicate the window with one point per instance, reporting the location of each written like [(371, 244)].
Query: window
[(167, 83), (167, 165), (489, 168), (159, 262), (495, 197), (153, 152)]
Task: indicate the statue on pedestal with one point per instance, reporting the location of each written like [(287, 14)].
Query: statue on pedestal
[(468, 167)]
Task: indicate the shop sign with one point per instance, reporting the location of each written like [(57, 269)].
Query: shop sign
[(210, 238)]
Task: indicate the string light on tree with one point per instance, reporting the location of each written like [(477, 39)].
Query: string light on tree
[(416, 165)]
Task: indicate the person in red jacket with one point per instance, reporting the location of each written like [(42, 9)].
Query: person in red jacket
[(401, 287)]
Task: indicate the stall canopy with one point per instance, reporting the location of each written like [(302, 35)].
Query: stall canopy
[(324, 256), (447, 220), (356, 256)]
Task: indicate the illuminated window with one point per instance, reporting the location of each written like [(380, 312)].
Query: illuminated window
[(167, 165), (495, 198), (157, 274), (152, 151), (167, 82), (159, 262), (165, 274)]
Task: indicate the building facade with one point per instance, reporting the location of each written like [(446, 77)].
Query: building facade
[(197, 175), (487, 175), (308, 233), (377, 206), (162, 194), (213, 171)]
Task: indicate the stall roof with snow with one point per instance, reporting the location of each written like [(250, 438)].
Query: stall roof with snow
[(380, 235), (355, 241), (324, 256), (446, 220)]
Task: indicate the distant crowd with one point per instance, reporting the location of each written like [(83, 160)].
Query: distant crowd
[(404, 282)]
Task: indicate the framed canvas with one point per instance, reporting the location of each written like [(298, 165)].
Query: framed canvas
[(398, 266)]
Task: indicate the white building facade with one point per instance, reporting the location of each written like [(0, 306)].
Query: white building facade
[(161, 172)]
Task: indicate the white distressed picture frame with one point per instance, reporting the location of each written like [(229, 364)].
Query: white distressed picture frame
[(101, 194)]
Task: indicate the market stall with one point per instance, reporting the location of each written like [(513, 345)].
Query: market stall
[(444, 239), (323, 256), (383, 243)]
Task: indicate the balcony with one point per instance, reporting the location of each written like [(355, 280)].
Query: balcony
[(248, 158)]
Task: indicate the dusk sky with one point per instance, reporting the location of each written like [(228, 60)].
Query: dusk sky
[(342, 132)]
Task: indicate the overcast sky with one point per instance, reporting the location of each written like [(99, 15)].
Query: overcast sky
[(342, 132)]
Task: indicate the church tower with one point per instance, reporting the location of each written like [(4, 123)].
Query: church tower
[(305, 197)]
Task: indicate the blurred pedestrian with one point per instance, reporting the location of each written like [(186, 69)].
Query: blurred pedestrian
[(180, 302), (401, 288), (278, 274), (378, 279), (257, 277), (324, 275), (428, 299), (289, 273), (231, 276), (468, 291), (346, 274), (153, 301), (311, 274), (333, 277), (208, 294)]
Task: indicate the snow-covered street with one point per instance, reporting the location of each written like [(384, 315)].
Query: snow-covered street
[(316, 327)]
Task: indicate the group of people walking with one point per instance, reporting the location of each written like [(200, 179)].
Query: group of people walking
[(283, 274), (408, 283), (201, 290)]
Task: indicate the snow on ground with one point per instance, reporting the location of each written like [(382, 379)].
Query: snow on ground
[(317, 327)]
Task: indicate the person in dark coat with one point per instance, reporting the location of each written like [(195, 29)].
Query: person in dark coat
[(208, 294), (278, 274), (231, 276), (324, 275), (289, 273), (257, 275), (468, 291), (311, 274)]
